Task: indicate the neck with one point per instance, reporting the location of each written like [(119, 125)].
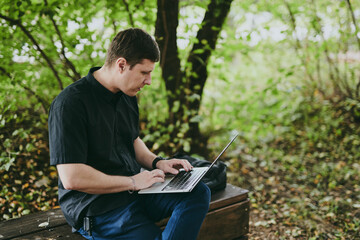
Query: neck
[(105, 77)]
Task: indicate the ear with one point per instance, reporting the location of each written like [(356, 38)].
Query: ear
[(121, 64)]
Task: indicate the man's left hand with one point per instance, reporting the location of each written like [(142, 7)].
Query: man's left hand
[(173, 165)]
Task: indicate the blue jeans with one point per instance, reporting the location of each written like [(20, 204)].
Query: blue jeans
[(137, 220)]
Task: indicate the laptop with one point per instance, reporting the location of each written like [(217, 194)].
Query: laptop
[(183, 181)]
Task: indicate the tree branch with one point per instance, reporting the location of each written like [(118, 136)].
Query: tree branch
[(297, 41), (129, 13), (66, 61), (17, 22), (354, 22), (332, 67), (43, 103), (207, 37), (140, 3), (114, 26), (357, 92)]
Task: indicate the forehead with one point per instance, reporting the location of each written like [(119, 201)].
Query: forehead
[(145, 65)]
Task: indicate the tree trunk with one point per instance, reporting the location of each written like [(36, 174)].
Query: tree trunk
[(185, 89), (165, 32)]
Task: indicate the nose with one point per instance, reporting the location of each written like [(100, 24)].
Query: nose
[(148, 80)]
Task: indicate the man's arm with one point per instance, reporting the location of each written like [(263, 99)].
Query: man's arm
[(145, 158), (84, 178), (143, 155)]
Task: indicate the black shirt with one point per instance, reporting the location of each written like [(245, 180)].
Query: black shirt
[(91, 125)]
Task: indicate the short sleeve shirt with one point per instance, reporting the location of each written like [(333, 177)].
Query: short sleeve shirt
[(91, 125)]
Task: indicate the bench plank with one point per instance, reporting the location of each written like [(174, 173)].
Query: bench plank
[(30, 223), (230, 195), (59, 232), (226, 208)]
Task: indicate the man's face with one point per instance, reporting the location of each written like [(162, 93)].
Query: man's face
[(133, 80)]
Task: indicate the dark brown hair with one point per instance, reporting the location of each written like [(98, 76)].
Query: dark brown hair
[(134, 45)]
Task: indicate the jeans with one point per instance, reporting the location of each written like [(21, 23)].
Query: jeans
[(137, 220)]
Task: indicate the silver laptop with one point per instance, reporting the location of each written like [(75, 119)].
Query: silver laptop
[(183, 181)]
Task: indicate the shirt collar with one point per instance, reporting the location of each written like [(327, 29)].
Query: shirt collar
[(100, 89)]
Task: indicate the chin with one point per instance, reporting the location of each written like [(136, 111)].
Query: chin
[(131, 94)]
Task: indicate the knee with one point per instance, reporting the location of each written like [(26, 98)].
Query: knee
[(206, 189), (203, 194)]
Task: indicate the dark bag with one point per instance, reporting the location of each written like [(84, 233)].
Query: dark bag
[(215, 178)]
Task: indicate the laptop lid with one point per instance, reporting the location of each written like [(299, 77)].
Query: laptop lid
[(159, 187), (213, 163)]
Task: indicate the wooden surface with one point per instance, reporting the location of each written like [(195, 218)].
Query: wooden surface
[(228, 218), (20, 227), (226, 223)]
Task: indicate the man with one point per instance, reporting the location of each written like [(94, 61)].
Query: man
[(95, 145)]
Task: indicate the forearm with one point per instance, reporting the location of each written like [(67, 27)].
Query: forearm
[(84, 178), (143, 155)]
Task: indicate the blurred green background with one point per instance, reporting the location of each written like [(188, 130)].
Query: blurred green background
[(284, 74)]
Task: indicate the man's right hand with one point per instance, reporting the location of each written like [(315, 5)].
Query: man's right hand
[(84, 178), (146, 178)]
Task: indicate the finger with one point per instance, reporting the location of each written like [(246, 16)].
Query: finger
[(186, 165), (189, 165), (158, 173), (158, 179), (180, 162), (172, 170), (172, 166)]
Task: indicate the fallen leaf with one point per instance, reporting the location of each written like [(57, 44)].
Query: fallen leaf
[(44, 224)]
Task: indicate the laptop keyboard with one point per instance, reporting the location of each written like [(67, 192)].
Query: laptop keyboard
[(182, 180)]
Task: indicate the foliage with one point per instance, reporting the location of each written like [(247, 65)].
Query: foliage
[(27, 182), (47, 45), (300, 128), (304, 179)]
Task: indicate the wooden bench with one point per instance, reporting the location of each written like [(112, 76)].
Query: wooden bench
[(228, 218)]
